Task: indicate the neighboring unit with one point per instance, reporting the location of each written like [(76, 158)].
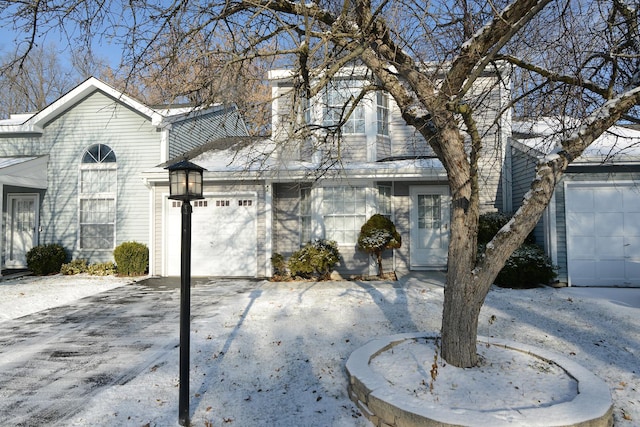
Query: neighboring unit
[(72, 173), (591, 229)]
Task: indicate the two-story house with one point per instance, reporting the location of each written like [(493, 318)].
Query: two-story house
[(274, 195), (72, 173)]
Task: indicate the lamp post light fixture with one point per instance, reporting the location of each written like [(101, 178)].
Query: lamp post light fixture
[(185, 184)]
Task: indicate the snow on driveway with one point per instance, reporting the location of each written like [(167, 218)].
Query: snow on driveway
[(264, 353)]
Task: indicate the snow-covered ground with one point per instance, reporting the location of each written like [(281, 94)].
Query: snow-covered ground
[(274, 353)]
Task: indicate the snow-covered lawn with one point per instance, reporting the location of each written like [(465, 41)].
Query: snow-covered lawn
[(275, 354)]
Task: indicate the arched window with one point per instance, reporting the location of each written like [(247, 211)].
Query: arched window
[(97, 198)]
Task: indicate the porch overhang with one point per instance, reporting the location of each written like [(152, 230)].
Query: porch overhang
[(24, 171)]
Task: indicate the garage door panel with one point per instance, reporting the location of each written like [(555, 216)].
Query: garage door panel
[(584, 269), (603, 234), (580, 200), (582, 246), (609, 247), (632, 223), (632, 247), (632, 271), (607, 199), (610, 270), (223, 237), (609, 224), (582, 223), (632, 200)]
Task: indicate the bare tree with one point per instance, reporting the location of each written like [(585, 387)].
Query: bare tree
[(583, 55), (31, 84)]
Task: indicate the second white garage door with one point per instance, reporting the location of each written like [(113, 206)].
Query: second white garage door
[(223, 236), (603, 234)]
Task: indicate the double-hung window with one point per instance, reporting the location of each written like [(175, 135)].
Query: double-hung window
[(305, 215), (382, 113), (338, 107), (97, 198), (344, 212), (384, 200)]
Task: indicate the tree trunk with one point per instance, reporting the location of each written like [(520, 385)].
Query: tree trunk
[(460, 323), (379, 259), (463, 295)]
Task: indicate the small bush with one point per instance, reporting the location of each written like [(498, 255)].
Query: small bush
[(132, 258), (102, 269), (76, 266), (489, 225), (279, 266), (527, 267), (46, 259), (315, 260), (377, 235)]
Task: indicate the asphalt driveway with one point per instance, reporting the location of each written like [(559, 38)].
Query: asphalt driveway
[(52, 362)]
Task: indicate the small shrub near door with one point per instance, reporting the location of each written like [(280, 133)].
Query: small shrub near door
[(76, 266), (279, 267), (43, 260), (527, 267), (132, 258), (315, 260), (377, 235)]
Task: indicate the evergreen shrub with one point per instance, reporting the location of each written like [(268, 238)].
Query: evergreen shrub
[(279, 266), (315, 260), (527, 267), (132, 258), (43, 260), (102, 269), (76, 266), (377, 235)]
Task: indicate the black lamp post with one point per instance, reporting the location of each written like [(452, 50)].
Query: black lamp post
[(185, 183)]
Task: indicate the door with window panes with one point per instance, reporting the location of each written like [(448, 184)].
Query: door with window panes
[(430, 210), (22, 224)]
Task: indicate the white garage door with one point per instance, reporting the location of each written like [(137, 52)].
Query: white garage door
[(603, 234), (223, 236)]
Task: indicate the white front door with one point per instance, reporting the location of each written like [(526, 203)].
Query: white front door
[(430, 211), (22, 224)]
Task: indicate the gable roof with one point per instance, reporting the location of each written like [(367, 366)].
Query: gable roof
[(618, 144), (34, 123)]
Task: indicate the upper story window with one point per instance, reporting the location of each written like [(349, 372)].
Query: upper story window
[(97, 198), (382, 113), (338, 102)]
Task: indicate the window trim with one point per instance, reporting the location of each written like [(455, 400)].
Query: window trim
[(382, 113), (107, 162), (353, 124)]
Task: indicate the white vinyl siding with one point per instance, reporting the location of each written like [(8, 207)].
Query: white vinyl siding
[(97, 119)]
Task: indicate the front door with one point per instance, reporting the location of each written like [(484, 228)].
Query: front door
[(22, 223), (430, 210)]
